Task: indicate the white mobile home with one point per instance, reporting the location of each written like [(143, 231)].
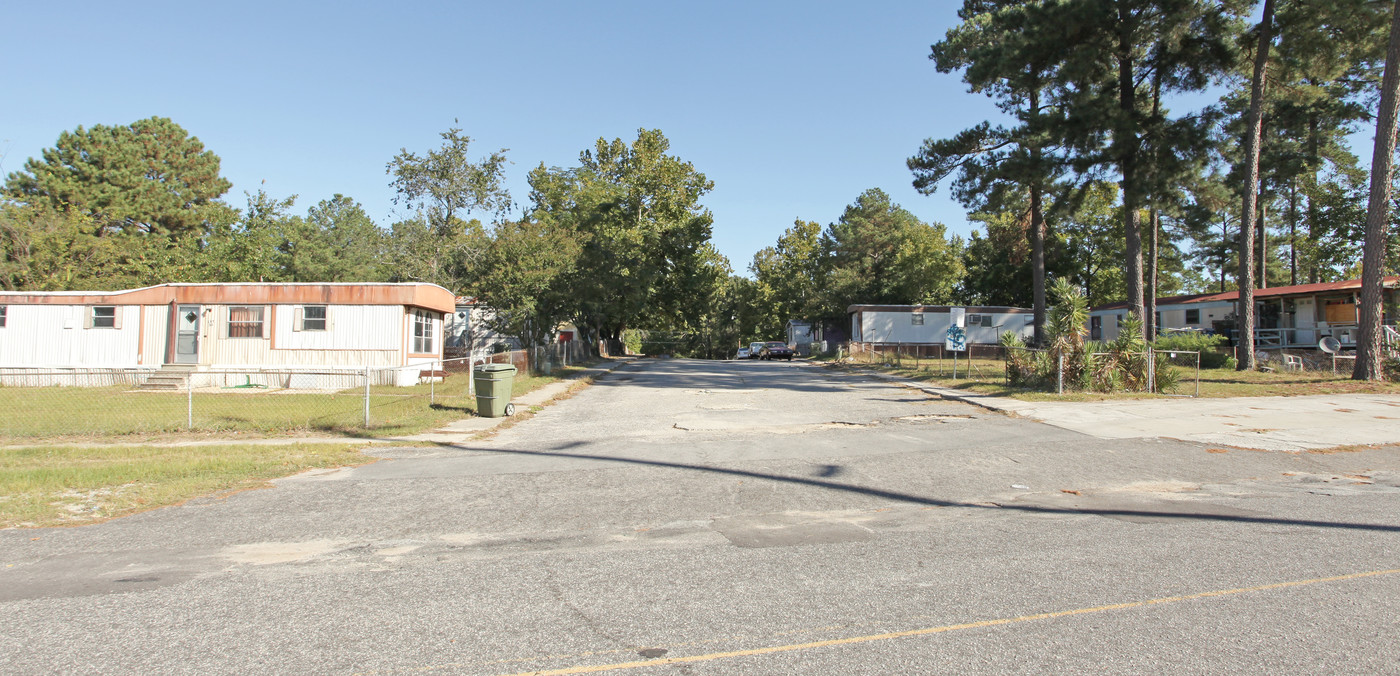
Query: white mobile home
[(928, 324), (1285, 316), (468, 330), (395, 329)]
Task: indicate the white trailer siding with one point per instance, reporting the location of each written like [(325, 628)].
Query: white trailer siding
[(931, 326), (155, 335), (60, 336), (348, 327), (1174, 316), (361, 335), (365, 326)]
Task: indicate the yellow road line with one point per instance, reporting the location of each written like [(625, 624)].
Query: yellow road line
[(949, 627)]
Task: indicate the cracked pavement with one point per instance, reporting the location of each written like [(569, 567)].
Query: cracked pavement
[(741, 517)]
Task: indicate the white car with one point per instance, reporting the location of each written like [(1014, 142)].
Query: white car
[(754, 349), (743, 353)]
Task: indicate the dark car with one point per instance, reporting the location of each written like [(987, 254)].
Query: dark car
[(775, 350)]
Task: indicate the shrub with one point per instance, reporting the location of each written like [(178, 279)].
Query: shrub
[(1205, 343), (632, 339)]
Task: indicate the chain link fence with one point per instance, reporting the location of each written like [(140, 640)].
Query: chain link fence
[(1168, 372), (978, 362), (59, 403)]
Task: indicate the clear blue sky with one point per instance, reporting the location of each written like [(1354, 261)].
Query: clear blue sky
[(791, 108)]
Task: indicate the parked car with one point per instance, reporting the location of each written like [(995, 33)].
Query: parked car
[(744, 353), (755, 349), (775, 350)]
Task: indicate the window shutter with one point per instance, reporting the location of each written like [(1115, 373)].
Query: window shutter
[(87, 317), (117, 313), (267, 322), (298, 320)]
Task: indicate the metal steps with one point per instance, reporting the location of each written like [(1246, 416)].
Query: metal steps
[(170, 378)]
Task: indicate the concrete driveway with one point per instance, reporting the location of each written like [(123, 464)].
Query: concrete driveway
[(737, 518), (1260, 423)]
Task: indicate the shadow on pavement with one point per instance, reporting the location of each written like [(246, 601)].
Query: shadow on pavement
[(832, 470), (706, 374)]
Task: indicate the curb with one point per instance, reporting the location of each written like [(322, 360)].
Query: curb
[(989, 402), (466, 428)]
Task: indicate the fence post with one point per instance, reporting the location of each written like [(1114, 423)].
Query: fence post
[(1151, 371), (432, 384), (366, 396), (189, 401), (1198, 375), (1060, 374)]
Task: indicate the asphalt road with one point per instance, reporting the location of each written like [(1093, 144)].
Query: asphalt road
[(687, 517)]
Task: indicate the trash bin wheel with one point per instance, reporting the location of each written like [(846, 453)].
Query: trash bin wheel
[(510, 410)]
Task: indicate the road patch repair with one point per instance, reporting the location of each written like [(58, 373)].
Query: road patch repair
[(1283, 423)]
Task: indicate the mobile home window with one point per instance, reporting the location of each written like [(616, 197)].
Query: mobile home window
[(313, 318), (917, 318), (4, 310), (422, 332), (104, 317), (1193, 316), (245, 321)]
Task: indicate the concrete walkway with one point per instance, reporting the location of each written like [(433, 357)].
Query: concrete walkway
[(1259, 423)]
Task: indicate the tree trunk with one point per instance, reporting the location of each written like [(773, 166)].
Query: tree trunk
[(1224, 248), (1150, 301), (1263, 243), (1369, 348), (1314, 228), (1244, 312), (1128, 150), (1038, 262), (1037, 235), (1293, 232)]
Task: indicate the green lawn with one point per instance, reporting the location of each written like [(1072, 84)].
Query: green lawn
[(68, 485), (84, 413), (988, 377)]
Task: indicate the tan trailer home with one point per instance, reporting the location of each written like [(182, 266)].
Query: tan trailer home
[(394, 330)]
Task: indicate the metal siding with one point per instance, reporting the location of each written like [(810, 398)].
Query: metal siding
[(351, 327), (34, 335), (219, 351), (897, 327), (157, 334)]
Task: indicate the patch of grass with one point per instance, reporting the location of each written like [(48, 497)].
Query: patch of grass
[(987, 377), (84, 414), (74, 485)]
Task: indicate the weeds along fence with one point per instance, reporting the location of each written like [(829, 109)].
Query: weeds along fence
[(59, 403), (1167, 372), (978, 362), (540, 360)]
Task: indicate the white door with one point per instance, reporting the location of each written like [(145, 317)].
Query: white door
[(187, 335)]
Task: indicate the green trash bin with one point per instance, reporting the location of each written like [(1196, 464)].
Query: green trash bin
[(493, 385)]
